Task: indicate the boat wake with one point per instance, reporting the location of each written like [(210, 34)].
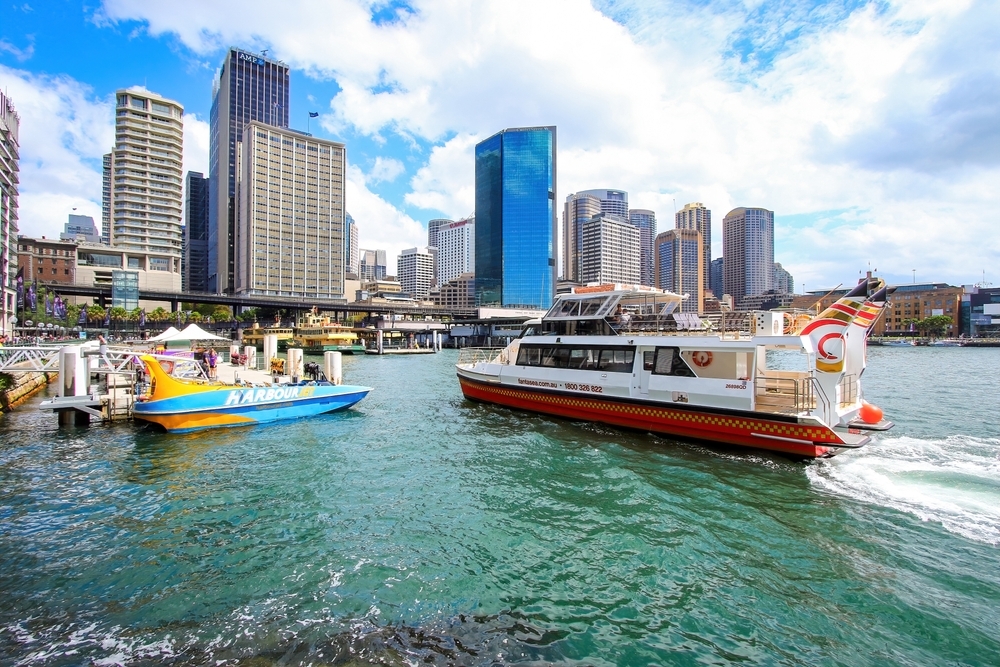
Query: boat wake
[(954, 482)]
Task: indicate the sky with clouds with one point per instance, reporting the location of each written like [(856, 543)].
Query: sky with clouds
[(871, 129)]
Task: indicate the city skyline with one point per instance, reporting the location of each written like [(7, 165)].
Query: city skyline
[(889, 164)]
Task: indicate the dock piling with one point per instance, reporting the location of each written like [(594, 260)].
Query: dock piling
[(333, 367)]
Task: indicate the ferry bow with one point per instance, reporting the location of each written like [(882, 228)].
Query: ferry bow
[(624, 356)]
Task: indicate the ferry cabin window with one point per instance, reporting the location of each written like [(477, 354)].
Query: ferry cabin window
[(668, 362), (613, 360)]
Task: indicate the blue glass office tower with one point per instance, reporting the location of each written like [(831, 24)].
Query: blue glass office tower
[(516, 218)]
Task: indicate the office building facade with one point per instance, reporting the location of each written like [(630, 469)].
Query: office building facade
[(610, 250), (645, 220), (516, 262), (372, 265), (351, 250), (290, 226), (578, 209), (697, 216), (679, 266), (415, 272), (196, 233), (47, 260), (748, 252), (456, 252), (146, 180), (80, 228), (432, 230), (107, 191), (249, 88), (715, 280)]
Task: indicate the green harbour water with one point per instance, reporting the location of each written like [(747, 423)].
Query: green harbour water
[(419, 528)]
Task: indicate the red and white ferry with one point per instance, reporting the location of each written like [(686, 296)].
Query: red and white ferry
[(624, 356)]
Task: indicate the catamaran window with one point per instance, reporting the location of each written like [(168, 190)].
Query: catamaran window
[(614, 360), (668, 362)]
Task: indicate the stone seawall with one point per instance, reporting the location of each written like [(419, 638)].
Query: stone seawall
[(22, 387)]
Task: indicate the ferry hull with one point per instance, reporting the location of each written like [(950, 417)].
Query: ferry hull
[(246, 407), (759, 432)]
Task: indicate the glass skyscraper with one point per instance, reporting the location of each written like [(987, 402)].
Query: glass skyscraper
[(195, 277), (516, 218), (249, 87)]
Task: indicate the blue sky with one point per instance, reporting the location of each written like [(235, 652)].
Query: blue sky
[(872, 129)]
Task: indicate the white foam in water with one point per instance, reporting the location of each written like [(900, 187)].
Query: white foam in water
[(954, 482)]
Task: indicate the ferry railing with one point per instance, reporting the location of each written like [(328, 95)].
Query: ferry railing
[(848, 390), (468, 356), (822, 401), (784, 393)]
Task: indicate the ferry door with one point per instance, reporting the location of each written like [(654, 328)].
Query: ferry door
[(644, 367)]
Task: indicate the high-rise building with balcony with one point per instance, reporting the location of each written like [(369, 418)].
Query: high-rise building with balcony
[(697, 216), (784, 283), (250, 87), (10, 124), (415, 272), (145, 203), (516, 231), (196, 233), (107, 192), (748, 252), (679, 267), (351, 250), (581, 207), (610, 250), (645, 220), (456, 252), (290, 226)]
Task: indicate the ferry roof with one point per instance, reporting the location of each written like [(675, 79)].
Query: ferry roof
[(601, 301)]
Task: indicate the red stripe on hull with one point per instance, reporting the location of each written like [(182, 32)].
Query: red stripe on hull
[(759, 433)]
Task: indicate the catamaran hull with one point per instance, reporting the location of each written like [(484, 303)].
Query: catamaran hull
[(729, 427), (247, 407)]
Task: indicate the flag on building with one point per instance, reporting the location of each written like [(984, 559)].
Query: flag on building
[(32, 300), (82, 320), (59, 308), (48, 305), (142, 318), (20, 288), (107, 317)]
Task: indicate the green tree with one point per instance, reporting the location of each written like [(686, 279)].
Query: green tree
[(159, 314), (935, 326), (119, 314), (95, 313), (222, 313)]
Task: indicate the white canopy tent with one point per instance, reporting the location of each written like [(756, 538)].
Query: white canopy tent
[(191, 332), (165, 335)]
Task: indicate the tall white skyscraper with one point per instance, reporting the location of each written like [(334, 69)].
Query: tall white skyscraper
[(696, 216), (610, 251), (748, 252), (645, 220), (352, 253), (415, 272), (580, 208), (290, 228), (145, 178), (456, 249)]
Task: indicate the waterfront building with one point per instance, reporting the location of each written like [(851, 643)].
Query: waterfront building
[(80, 228), (145, 203), (352, 253), (610, 250), (716, 270), (783, 281), (456, 252), (767, 301), (748, 252), (97, 265), (696, 216), (415, 270), (196, 233), (372, 265), (432, 231), (250, 87), (107, 191), (459, 292), (679, 266), (10, 124), (290, 226), (980, 311), (516, 257), (581, 207), (645, 220), (47, 260)]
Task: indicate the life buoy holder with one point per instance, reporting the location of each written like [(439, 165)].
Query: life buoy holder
[(701, 358), (167, 366)]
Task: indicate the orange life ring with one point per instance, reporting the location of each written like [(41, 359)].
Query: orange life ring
[(167, 366), (701, 358)]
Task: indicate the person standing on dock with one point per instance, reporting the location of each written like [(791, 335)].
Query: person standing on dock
[(213, 357)]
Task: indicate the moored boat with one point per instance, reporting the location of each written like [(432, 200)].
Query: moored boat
[(255, 335), (624, 356), (180, 405), (316, 334)]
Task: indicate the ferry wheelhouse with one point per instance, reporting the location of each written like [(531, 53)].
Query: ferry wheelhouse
[(626, 356), (317, 334), (255, 335)]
